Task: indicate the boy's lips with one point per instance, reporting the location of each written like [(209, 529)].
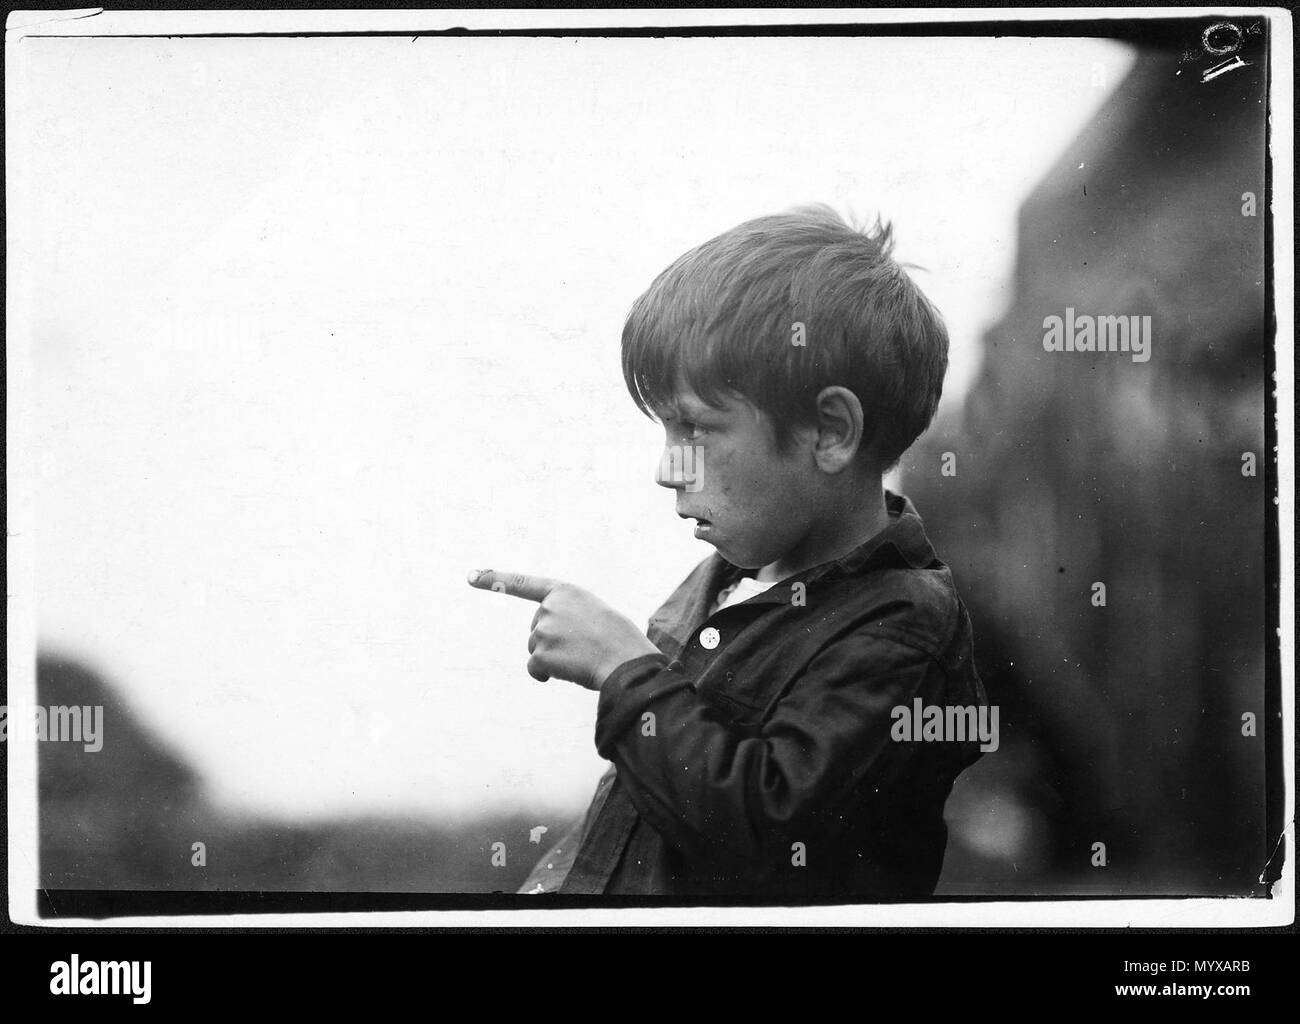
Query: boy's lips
[(702, 525)]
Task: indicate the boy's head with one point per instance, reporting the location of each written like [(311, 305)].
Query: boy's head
[(797, 331), (779, 308)]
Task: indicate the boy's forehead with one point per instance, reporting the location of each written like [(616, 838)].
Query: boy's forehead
[(684, 403), (726, 408)]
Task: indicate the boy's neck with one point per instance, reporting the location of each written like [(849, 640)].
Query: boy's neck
[(843, 527)]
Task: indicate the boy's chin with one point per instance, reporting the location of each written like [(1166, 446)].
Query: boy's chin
[(741, 556), (740, 559)]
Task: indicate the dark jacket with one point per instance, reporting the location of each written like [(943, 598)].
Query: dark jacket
[(759, 754)]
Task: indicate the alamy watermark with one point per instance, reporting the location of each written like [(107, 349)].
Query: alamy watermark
[(954, 723), (59, 723), (683, 464), (1085, 333), (75, 977)]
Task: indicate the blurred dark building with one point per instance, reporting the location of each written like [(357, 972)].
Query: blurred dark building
[(1122, 724)]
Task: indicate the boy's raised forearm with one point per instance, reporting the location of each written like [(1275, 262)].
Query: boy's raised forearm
[(708, 786)]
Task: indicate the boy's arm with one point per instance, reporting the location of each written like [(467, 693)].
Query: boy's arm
[(744, 796), (709, 786)]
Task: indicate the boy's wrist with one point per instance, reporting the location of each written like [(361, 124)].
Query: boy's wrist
[(616, 661)]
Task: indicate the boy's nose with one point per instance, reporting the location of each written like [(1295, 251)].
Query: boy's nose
[(665, 475), (680, 468)]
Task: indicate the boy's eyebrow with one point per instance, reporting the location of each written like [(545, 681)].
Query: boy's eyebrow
[(687, 408)]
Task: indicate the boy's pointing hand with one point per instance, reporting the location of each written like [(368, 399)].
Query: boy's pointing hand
[(576, 636)]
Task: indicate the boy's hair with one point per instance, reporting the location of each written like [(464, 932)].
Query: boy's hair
[(725, 317)]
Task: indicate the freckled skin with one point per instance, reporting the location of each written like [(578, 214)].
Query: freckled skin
[(770, 511)]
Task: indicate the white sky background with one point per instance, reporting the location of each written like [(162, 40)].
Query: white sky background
[(318, 325)]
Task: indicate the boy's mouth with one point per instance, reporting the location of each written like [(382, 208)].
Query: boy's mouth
[(702, 525)]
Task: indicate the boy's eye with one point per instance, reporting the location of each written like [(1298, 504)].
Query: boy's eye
[(692, 430)]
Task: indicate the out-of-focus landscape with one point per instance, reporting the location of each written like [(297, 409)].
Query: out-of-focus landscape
[(1120, 725), (128, 816)]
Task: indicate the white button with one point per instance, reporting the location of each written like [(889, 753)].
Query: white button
[(709, 638)]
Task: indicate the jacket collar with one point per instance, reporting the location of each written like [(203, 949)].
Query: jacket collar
[(903, 539)]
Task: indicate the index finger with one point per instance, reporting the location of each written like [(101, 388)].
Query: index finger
[(530, 588)]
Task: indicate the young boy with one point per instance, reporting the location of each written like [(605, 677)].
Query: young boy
[(753, 727)]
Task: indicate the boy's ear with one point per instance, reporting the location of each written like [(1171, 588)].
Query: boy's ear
[(839, 429)]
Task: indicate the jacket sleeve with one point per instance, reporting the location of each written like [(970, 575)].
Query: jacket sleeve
[(740, 796)]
